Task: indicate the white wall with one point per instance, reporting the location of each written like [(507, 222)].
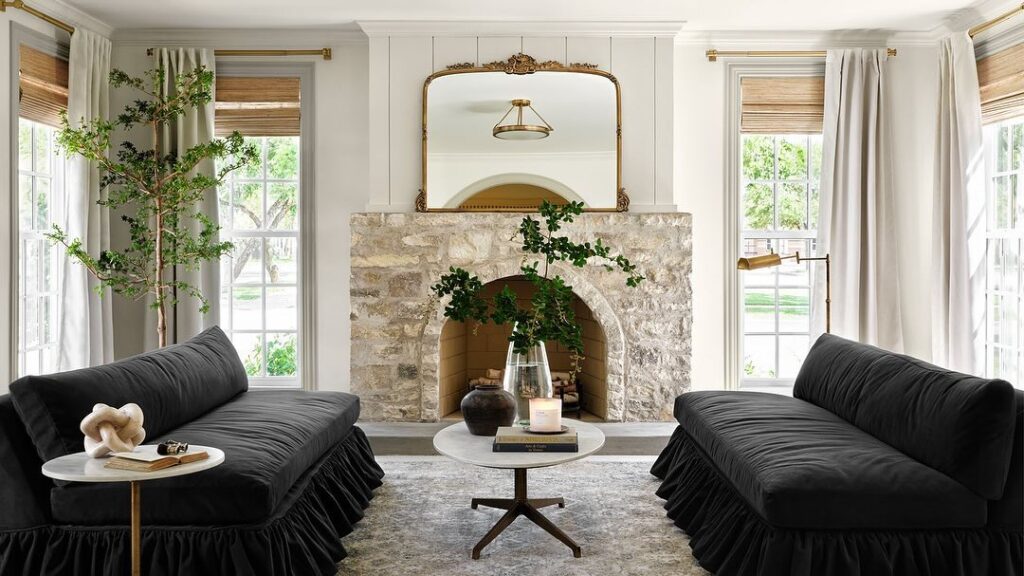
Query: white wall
[(341, 174), (402, 57), (588, 177)]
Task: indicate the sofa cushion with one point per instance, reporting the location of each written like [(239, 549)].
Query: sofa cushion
[(172, 385), (800, 466), (269, 438), (958, 424)]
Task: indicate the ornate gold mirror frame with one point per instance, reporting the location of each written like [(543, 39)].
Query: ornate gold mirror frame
[(521, 64)]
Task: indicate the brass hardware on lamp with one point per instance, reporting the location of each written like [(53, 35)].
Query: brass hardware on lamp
[(771, 260), (519, 130)]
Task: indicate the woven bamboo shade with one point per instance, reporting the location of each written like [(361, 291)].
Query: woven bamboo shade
[(258, 105), (43, 86), (782, 105), (1001, 80)]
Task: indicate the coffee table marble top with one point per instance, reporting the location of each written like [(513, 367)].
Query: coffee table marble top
[(79, 467), (457, 443)]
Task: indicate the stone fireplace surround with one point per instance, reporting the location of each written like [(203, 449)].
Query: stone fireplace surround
[(396, 322)]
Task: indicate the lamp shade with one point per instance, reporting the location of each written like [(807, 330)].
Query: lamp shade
[(756, 262), (516, 128)]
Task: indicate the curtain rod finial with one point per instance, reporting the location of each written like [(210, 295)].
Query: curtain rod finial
[(712, 55)]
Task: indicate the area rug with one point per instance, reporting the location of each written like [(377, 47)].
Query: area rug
[(420, 522)]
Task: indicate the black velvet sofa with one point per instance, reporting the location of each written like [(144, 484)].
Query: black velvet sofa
[(297, 473), (879, 465)]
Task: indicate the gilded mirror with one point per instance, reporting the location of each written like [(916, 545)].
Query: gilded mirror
[(504, 136)]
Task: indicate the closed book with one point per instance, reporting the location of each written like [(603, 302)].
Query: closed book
[(496, 447), (151, 461), (517, 435)]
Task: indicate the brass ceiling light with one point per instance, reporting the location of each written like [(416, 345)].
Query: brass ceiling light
[(518, 130)]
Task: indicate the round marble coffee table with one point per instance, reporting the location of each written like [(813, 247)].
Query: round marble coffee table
[(79, 467), (457, 443)]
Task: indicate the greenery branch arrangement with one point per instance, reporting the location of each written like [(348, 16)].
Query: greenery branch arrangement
[(159, 190), (550, 316)]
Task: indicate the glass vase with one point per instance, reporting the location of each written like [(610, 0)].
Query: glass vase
[(527, 375)]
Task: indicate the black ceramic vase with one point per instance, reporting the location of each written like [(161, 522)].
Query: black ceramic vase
[(486, 408)]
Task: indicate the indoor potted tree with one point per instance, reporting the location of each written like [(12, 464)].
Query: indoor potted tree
[(159, 188), (550, 316)]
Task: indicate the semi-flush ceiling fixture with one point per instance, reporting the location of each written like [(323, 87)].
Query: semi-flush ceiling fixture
[(518, 130)]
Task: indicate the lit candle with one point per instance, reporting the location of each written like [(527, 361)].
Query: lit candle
[(546, 414)]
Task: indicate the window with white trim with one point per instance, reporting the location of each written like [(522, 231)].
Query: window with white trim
[(260, 282), (1004, 246), (40, 185), (780, 175)]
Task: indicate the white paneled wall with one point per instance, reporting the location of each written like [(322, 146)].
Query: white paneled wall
[(400, 62)]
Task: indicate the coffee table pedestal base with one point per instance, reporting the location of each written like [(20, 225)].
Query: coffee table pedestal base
[(522, 505)]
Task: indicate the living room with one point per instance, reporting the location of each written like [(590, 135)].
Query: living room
[(385, 287)]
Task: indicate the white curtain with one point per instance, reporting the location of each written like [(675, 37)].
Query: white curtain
[(185, 320), (85, 337), (958, 223), (857, 211)]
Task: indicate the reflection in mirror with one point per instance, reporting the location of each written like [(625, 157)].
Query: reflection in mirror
[(499, 141)]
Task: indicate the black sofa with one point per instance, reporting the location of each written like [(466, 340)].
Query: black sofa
[(297, 473), (880, 465)]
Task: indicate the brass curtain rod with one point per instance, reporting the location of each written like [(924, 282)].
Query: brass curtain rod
[(713, 55), (20, 5), (324, 52), (995, 21)]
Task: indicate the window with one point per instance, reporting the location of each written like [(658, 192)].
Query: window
[(42, 97), (779, 181), (1004, 245), (260, 296), (40, 181)]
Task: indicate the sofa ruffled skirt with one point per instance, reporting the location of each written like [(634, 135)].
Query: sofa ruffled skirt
[(729, 539), (303, 537)]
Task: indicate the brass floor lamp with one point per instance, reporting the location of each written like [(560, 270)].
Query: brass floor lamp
[(772, 260)]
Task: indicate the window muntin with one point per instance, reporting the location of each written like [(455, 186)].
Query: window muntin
[(780, 177), (260, 282), (1004, 246), (40, 183)]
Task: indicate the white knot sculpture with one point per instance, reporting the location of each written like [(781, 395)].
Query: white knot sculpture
[(110, 429)]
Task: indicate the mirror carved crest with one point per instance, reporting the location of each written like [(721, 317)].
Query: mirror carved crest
[(587, 122)]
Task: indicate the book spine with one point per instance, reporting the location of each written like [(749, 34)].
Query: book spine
[(505, 447), (507, 439)]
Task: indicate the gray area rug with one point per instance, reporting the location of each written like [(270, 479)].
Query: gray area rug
[(420, 522)]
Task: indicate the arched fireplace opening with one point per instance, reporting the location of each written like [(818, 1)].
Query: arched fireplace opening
[(469, 350)]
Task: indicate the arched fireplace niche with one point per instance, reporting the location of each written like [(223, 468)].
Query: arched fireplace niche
[(468, 350)]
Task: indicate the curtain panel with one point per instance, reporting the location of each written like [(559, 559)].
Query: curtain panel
[(185, 319), (958, 222), (86, 334), (857, 210)]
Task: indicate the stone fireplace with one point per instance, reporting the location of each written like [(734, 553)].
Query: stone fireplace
[(404, 365)]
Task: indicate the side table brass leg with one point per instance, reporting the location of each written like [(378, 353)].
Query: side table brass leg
[(136, 529)]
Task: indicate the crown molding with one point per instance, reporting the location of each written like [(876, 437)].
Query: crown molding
[(69, 14), (782, 39), (375, 28), (236, 38)]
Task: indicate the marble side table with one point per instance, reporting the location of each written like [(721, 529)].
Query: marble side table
[(79, 467)]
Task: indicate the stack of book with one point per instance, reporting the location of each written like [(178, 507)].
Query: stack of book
[(516, 439)]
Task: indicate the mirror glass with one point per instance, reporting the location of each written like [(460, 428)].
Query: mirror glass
[(498, 141)]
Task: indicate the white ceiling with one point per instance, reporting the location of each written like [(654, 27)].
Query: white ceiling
[(811, 15), (463, 108)]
